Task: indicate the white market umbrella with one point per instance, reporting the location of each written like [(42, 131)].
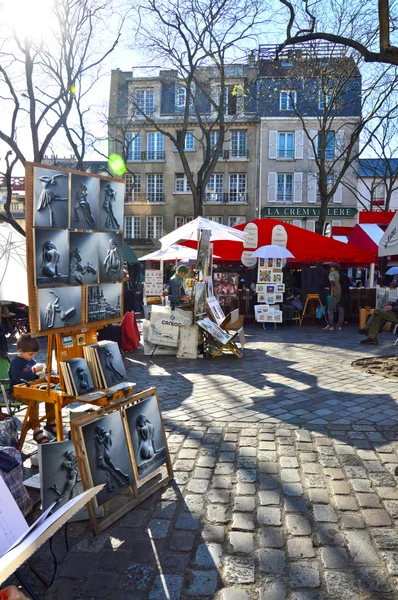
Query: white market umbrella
[(13, 275), (272, 251), (174, 252), (189, 231), (392, 271)]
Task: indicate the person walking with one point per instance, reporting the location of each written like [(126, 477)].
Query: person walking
[(335, 299)]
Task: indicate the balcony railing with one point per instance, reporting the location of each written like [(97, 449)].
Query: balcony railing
[(236, 154), (285, 153), (226, 198), (146, 156), (151, 198), (17, 183)]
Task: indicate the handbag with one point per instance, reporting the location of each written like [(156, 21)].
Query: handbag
[(298, 304), (320, 311), (9, 432)]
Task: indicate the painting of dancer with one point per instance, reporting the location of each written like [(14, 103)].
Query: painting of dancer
[(84, 202), (60, 307), (51, 257), (111, 207), (110, 257), (83, 257), (50, 198), (147, 435), (108, 457)]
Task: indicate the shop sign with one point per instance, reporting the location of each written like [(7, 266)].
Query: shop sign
[(251, 236), (307, 211), (247, 260), (279, 236)]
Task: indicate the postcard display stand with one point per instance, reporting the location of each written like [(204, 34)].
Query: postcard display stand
[(153, 288), (74, 246), (206, 303), (269, 289), (123, 446)]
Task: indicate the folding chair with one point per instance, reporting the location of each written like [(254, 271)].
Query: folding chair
[(11, 406)]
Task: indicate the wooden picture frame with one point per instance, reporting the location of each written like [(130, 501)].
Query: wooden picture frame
[(141, 485)]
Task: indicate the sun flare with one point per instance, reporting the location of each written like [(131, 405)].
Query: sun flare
[(28, 18)]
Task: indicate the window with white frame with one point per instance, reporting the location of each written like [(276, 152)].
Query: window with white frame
[(330, 179), (232, 221), (284, 192), (181, 183), (287, 99), (154, 187), (230, 97), (155, 146), (330, 140), (180, 221), (214, 136), (133, 143), (133, 186), (132, 227), (215, 219), (285, 145), (181, 94), (379, 193), (154, 227), (239, 143), (215, 188), (324, 99), (237, 187), (145, 100), (189, 141)]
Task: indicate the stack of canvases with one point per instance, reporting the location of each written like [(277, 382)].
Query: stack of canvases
[(106, 364), (77, 376)]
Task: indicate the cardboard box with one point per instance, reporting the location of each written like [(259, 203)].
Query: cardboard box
[(363, 315)]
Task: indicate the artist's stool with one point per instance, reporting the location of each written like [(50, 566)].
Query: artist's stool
[(310, 304)]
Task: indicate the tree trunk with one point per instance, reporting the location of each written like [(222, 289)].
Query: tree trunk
[(198, 202)]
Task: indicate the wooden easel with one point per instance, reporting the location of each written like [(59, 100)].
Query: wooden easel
[(42, 390), (312, 298)]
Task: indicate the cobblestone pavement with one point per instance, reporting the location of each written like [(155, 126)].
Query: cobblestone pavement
[(284, 483)]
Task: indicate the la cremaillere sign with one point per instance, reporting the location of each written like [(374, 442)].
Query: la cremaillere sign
[(307, 211)]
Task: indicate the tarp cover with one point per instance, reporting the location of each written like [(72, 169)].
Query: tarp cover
[(388, 245), (306, 246)]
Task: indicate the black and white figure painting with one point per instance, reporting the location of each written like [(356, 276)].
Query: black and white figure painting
[(110, 257), (59, 476), (107, 455), (60, 307), (104, 302), (111, 206), (147, 436), (51, 193), (81, 375), (84, 202), (112, 365), (51, 257), (83, 258)]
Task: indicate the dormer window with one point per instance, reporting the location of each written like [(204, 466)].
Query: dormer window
[(181, 94), (287, 100)]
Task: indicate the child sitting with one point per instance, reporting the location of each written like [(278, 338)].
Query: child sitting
[(24, 368)]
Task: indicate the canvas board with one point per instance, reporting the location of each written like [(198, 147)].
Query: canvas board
[(215, 310), (261, 288), (111, 363), (111, 205), (203, 250), (84, 203), (83, 258), (277, 277), (50, 198), (280, 287), (200, 299), (110, 257), (80, 375), (59, 307), (51, 257), (147, 435), (264, 275), (107, 455), (225, 284), (104, 302), (188, 341), (215, 331), (12, 522)]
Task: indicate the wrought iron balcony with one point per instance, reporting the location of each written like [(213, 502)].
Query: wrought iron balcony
[(146, 156), (226, 198), (150, 198)]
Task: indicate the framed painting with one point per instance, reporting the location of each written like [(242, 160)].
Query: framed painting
[(84, 202), (264, 276), (277, 277), (51, 257), (51, 198)]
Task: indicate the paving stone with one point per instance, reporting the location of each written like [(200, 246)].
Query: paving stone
[(187, 521), (361, 548), (244, 503), (361, 485), (304, 574), (180, 477), (388, 493), (314, 481), (269, 516), (267, 467), (345, 503), (312, 468), (269, 497), (182, 541), (206, 461), (241, 542), (340, 487), (224, 469), (294, 504), (243, 521), (352, 521), (187, 453), (298, 525), (234, 594), (334, 557), (213, 533), (204, 583), (374, 580), (222, 481), (335, 474), (218, 496), (341, 586), (290, 475), (238, 569), (386, 539), (368, 500), (272, 561), (308, 457), (303, 435), (271, 537), (300, 548), (329, 534), (159, 528), (245, 489), (288, 462), (202, 473), (375, 517), (173, 584), (217, 513), (273, 589), (383, 479), (319, 496), (183, 465), (324, 513), (208, 556), (198, 486), (292, 489), (246, 475), (267, 446)]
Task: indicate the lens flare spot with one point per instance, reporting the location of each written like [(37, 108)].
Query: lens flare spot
[(116, 163)]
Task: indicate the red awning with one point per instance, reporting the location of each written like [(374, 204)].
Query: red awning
[(378, 217), (366, 236), (306, 246)]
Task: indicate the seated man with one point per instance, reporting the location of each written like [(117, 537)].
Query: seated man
[(176, 287), (379, 317)]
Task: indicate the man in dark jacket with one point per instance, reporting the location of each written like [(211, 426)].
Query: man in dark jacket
[(380, 316)]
